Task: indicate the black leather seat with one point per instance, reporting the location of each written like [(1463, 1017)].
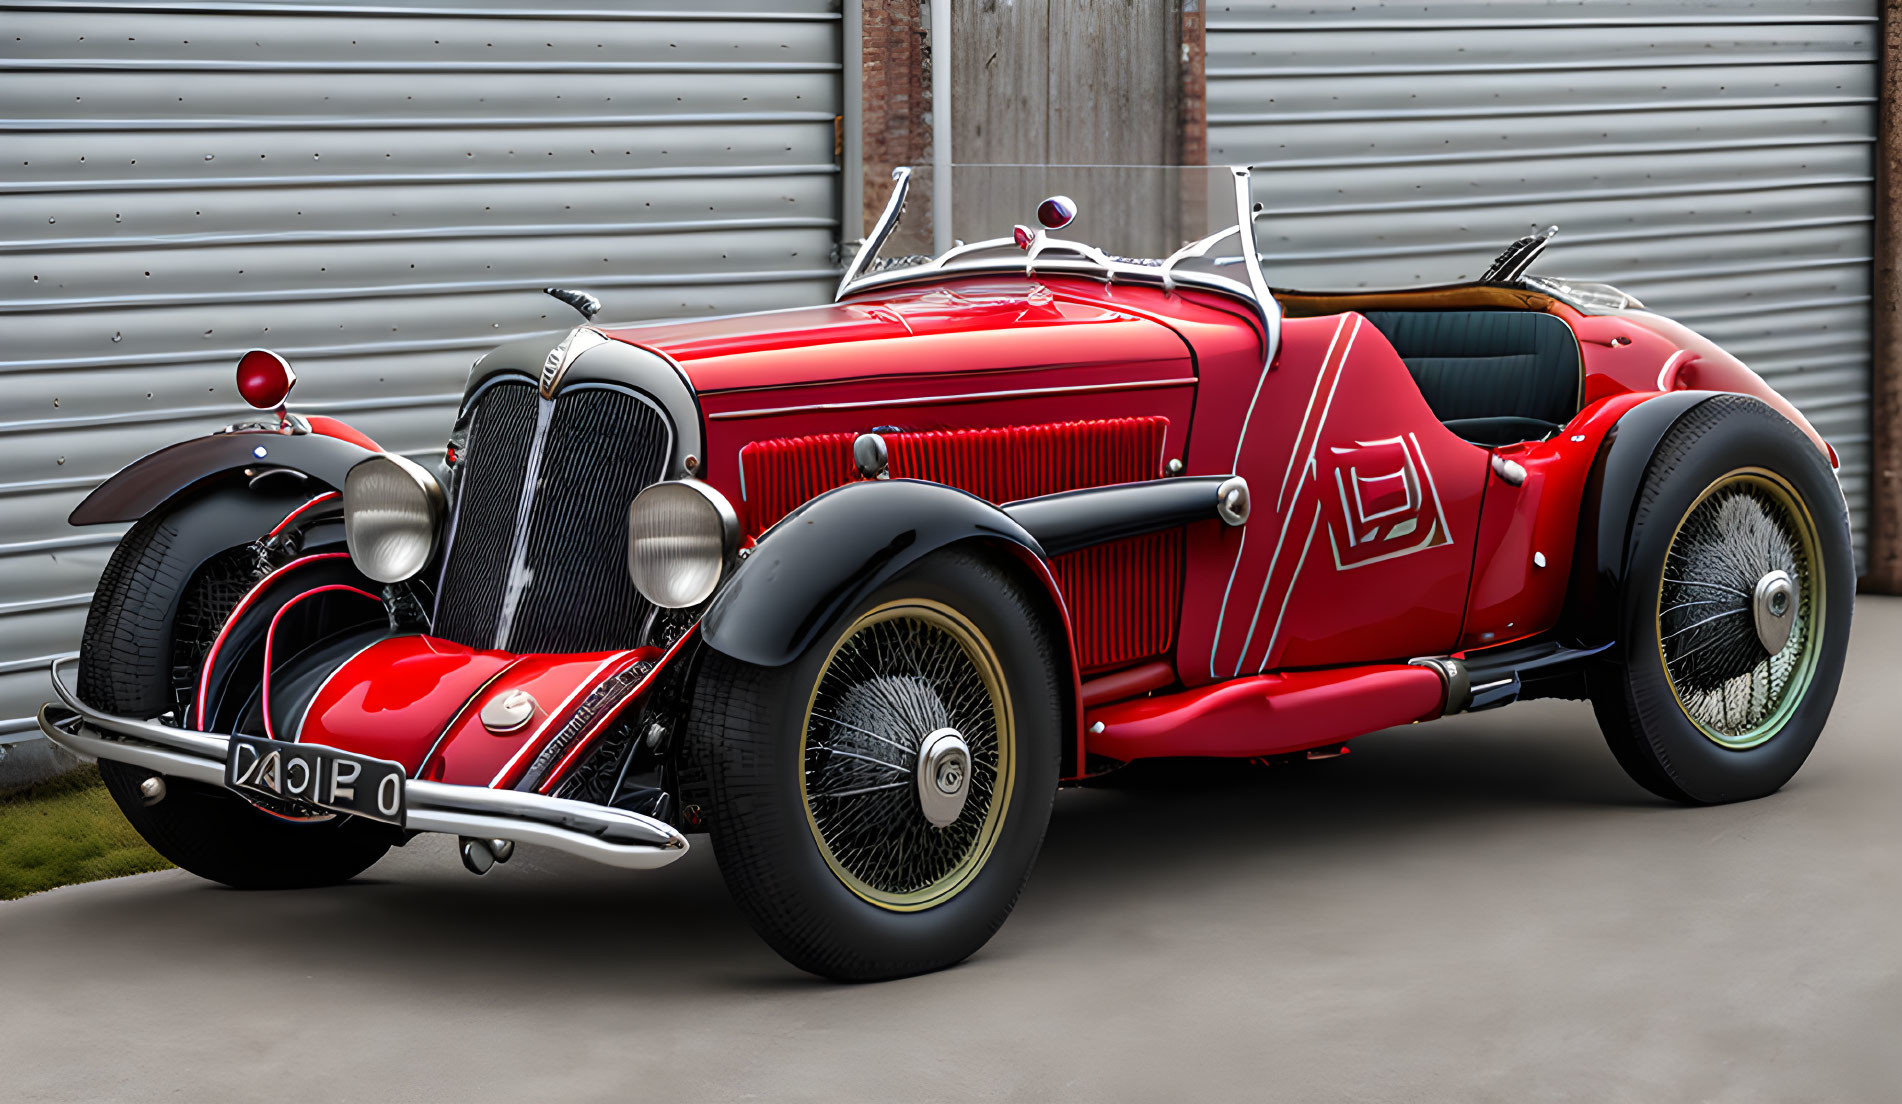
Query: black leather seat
[(1491, 376)]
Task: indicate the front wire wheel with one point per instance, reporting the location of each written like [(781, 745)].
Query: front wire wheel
[(876, 804), (909, 753), (1739, 585), (153, 616)]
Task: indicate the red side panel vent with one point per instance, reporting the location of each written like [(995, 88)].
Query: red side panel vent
[(1124, 597), (777, 476), (1002, 464)]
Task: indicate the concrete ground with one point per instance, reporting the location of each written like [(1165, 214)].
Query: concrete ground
[(1482, 909)]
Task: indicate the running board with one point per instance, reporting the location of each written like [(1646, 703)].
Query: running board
[(1266, 714), (1523, 671)]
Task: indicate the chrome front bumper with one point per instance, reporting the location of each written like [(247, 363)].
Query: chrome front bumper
[(612, 836)]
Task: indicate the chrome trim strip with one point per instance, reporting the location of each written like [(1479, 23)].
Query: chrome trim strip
[(1117, 271), (615, 837), (579, 340), (463, 711), (498, 379), (969, 396), (1308, 469), (1288, 595), (1281, 499), (582, 688), (1241, 440), (1338, 367), (516, 582), (1665, 378)]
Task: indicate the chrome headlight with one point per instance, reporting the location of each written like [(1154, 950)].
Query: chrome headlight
[(392, 511), (680, 536)]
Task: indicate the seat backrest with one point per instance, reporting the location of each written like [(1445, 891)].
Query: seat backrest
[(1488, 363)]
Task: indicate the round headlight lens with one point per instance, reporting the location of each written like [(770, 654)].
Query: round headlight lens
[(679, 537), (392, 511)]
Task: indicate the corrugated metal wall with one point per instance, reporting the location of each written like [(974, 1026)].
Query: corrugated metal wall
[(377, 192), (1714, 158)]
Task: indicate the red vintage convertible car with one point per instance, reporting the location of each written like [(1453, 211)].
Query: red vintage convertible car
[(855, 588)]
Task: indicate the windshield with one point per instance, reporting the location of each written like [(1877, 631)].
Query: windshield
[(1163, 225)]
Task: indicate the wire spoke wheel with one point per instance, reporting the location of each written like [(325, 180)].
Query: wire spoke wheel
[(877, 801), (1739, 609), (907, 755)]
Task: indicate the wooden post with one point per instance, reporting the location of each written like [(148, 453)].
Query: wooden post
[(1036, 82), (1195, 86), (1885, 385)]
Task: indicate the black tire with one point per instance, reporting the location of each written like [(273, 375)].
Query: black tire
[(128, 664), (1670, 722), (748, 738)]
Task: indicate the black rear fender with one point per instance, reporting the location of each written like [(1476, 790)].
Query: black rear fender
[(1593, 603)]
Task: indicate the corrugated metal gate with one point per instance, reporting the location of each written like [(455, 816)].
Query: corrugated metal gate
[(377, 192), (1713, 158)]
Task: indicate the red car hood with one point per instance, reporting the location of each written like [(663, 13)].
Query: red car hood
[(968, 327)]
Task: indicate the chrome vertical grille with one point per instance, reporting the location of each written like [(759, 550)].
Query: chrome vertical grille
[(482, 528), (537, 560), (603, 447)]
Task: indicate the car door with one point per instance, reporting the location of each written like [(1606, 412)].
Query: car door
[(1359, 546)]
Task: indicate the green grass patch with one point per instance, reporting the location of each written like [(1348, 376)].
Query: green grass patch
[(66, 831)]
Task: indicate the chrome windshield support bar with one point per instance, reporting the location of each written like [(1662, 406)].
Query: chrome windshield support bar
[(1270, 310), (606, 835), (1049, 256), (881, 230)]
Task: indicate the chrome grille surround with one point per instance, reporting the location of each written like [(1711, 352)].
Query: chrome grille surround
[(536, 553)]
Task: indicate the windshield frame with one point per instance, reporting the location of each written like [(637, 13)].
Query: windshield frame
[(1061, 256)]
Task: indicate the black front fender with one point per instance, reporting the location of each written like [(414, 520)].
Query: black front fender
[(151, 481), (823, 559)]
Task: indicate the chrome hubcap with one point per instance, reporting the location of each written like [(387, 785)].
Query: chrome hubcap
[(1773, 605), (944, 776)]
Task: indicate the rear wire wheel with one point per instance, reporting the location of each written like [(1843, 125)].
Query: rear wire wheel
[(1745, 528), (1737, 597), (877, 803)]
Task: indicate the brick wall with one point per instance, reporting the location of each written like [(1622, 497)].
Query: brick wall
[(897, 99)]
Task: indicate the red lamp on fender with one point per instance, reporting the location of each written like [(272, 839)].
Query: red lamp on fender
[(265, 378)]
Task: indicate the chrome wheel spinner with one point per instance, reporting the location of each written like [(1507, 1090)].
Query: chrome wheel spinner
[(1773, 608), (944, 776)]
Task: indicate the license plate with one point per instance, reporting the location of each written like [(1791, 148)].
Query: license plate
[(321, 777)]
